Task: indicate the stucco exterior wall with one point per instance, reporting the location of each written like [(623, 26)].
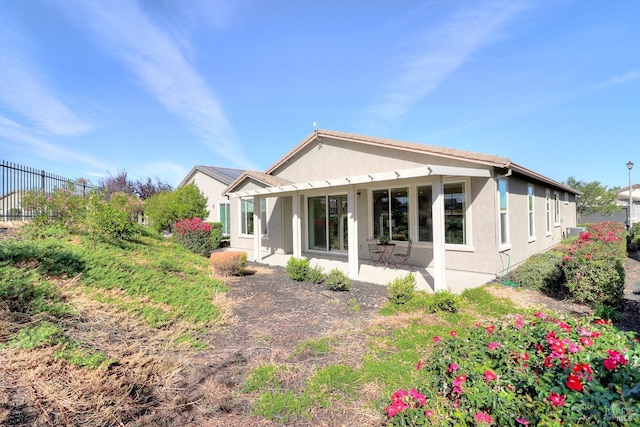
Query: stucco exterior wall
[(482, 252), (212, 189), (338, 158)]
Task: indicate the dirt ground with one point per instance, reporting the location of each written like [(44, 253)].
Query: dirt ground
[(274, 315), (270, 318)]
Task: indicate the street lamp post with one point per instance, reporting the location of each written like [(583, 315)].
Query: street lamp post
[(630, 166)]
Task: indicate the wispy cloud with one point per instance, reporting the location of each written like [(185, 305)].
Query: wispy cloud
[(531, 107), (26, 92), (440, 52), (128, 33), (15, 132)]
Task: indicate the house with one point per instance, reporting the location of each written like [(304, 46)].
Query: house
[(212, 181), (622, 215), (11, 205), (622, 200), (462, 211)]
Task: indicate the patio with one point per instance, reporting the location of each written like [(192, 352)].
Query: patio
[(456, 281)]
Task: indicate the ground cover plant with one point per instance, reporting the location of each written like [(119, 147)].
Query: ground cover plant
[(125, 333), (78, 319)]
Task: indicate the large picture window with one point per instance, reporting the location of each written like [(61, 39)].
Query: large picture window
[(391, 213), (425, 214), (246, 220), (327, 220), (455, 209)]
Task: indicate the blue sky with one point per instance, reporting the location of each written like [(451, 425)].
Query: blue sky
[(155, 87)]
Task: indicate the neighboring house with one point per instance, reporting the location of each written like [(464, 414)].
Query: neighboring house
[(212, 181), (463, 211), (622, 200), (11, 205)]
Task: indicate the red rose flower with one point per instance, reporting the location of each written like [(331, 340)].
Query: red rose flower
[(574, 383)]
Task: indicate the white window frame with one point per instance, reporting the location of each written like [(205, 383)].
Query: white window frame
[(503, 215), (547, 200), (468, 220), (409, 201), (531, 212), (416, 214), (566, 197), (263, 205), (557, 220), (227, 206)]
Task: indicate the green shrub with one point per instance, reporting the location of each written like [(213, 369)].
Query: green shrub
[(215, 238), (298, 269), (443, 301), (541, 272), (401, 289), (165, 208), (316, 275), (193, 234), (62, 207), (114, 218), (337, 280), (595, 265), (536, 370)]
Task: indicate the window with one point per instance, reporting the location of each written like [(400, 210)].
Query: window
[(547, 202), (391, 213), (246, 220), (455, 208), (566, 197), (425, 214), (503, 190), (224, 218), (327, 221), (530, 200), (556, 208)]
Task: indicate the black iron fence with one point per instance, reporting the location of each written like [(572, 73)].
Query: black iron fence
[(17, 180)]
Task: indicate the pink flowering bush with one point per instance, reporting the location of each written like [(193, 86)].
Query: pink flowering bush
[(194, 234), (535, 370), (594, 265)]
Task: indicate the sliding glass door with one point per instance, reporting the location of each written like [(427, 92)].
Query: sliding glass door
[(327, 223)]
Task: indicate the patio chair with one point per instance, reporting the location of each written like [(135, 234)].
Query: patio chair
[(403, 258), (375, 253)]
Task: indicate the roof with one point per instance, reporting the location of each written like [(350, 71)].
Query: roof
[(442, 152), (224, 175), (268, 180), (451, 153)]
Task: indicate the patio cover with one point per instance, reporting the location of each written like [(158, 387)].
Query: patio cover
[(349, 183)]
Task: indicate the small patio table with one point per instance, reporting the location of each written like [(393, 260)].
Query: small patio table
[(386, 253)]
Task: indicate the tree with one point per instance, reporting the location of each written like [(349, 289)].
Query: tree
[(595, 198), (165, 208), (117, 184), (146, 189), (141, 188)]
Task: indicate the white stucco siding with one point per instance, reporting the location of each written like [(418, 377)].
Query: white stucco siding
[(274, 240), (212, 189), (521, 244), (480, 251)]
